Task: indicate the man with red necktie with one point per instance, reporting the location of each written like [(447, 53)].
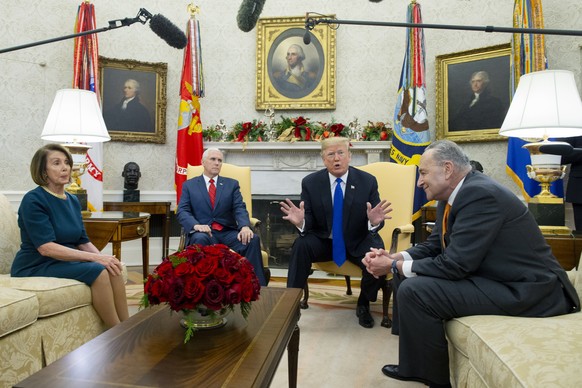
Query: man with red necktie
[(212, 211)]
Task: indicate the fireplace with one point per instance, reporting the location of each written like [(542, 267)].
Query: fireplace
[(277, 170), (277, 234)]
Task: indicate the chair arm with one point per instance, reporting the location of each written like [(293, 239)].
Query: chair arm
[(407, 229), (255, 223), (182, 243)]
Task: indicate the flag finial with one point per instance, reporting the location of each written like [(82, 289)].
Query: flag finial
[(193, 9)]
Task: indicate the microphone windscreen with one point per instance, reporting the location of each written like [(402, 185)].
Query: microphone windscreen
[(248, 14), (168, 31), (307, 37), (561, 148)]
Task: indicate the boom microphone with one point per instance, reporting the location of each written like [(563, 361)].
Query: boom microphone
[(248, 14), (307, 37), (168, 31), (557, 148)]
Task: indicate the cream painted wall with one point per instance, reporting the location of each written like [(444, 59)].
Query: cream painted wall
[(369, 61)]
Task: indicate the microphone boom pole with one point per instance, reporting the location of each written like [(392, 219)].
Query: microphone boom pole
[(143, 16), (310, 24)]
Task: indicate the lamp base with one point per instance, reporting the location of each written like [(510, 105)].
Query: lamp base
[(549, 230), (548, 214), (81, 195)]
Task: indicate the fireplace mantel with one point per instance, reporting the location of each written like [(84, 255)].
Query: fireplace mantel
[(278, 167)]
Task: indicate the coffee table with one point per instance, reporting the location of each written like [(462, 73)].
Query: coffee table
[(147, 350)]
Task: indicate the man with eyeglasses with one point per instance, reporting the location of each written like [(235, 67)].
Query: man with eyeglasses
[(362, 216)]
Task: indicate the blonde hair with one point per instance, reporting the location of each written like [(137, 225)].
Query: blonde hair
[(333, 141)]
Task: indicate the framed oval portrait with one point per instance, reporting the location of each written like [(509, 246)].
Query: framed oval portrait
[(290, 73)]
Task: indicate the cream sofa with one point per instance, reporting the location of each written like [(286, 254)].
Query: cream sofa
[(41, 319), (496, 351)]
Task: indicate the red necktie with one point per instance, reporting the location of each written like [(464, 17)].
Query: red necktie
[(212, 193), (445, 220)]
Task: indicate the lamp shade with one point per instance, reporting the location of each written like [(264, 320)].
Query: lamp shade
[(545, 104), (75, 116)]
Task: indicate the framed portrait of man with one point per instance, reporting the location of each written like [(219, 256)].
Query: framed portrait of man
[(134, 99), (474, 92), (290, 73)]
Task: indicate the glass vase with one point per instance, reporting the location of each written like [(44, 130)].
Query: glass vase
[(203, 318)]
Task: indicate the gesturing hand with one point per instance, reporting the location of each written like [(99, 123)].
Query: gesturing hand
[(379, 213), (293, 214)]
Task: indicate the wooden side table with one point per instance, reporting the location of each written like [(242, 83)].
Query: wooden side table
[(116, 227), (162, 208), (566, 248)]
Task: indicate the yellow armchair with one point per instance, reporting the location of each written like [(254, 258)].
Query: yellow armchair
[(396, 184), (243, 176)]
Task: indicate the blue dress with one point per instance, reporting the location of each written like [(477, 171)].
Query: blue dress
[(44, 218)]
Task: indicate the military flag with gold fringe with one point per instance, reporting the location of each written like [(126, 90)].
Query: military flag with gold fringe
[(528, 54), (189, 145), (411, 126), (85, 76)]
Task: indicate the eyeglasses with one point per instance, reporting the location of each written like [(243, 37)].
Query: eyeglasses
[(331, 155)]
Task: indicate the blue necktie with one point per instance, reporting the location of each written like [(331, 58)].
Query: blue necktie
[(337, 234)]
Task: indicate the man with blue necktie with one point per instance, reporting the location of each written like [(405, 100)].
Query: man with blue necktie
[(212, 211), (338, 218)]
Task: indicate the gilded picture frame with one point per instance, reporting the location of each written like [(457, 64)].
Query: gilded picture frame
[(134, 99), (461, 117), (311, 84)]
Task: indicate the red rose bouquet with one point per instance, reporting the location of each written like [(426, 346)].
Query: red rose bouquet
[(202, 277)]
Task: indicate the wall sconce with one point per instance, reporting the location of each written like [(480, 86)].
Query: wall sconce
[(545, 105), (75, 117)]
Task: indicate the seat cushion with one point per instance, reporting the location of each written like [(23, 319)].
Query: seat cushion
[(9, 235), (576, 279), (54, 295), (18, 309), (521, 352)]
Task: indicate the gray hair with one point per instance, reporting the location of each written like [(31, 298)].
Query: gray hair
[(299, 50), (135, 84), (208, 150), (483, 75), (446, 150)]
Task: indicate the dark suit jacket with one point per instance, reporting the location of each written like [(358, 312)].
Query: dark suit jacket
[(488, 112), (493, 240), (135, 118), (574, 190), (361, 187), (229, 208)]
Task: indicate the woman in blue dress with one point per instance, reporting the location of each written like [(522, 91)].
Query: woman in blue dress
[(54, 241)]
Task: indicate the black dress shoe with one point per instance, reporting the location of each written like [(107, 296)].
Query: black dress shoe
[(364, 317), (392, 371)]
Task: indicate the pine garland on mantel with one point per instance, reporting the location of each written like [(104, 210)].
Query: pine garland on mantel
[(292, 129)]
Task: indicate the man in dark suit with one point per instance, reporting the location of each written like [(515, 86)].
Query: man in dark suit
[(212, 211), (481, 110), (129, 114), (487, 256), (362, 215), (574, 189)]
